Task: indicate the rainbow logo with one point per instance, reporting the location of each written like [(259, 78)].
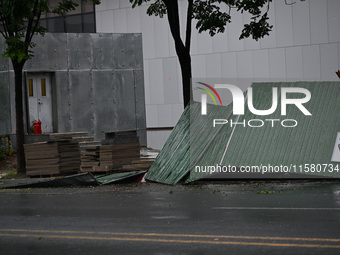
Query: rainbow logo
[(209, 93)]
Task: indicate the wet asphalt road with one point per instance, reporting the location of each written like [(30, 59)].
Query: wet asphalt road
[(226, 218)]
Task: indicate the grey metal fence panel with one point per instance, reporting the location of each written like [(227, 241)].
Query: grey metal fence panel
[(57, 51), (104, 100), (128, 52), (125, 100), (63, 101), (102, 51), (80, 51), (98, 81), (81, 101)]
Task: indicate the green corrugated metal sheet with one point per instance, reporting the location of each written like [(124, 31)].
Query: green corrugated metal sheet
[(187, 143), (111, 178), (194, 142), (83, 179), (310, 142)]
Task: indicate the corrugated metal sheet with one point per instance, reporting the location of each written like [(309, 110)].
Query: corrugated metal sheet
[(310, 142), (189, 143), (111, 178), (194, 142)]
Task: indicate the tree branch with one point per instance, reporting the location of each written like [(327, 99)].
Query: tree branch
[(173, 18), (30, 23), (289, 3), (189, 23), (4, 25)]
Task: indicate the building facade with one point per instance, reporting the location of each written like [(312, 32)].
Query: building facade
[(303, 46)]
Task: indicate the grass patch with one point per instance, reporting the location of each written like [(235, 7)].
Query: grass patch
[(9, 174)]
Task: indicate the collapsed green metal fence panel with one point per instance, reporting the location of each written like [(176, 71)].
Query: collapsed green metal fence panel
[(187, 144), (310, 142), (194, 142)]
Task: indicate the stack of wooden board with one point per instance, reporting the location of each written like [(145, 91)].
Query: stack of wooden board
[(90, 159), (138, 165), (114, 156), (66, 136), (52, 158), (82, 137)]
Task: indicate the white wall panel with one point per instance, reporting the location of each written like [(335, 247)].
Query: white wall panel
[(98, 21), (172, 49), (204, 42), (329, 61), (277, 64), (183, 8), (161, 37), (213, 65), (102, 6), (234, 31), (283, 24), (106, 22), (147, 81), (244, 64), (229, 65), (220, 42), (194, 40), (318, 21), (180, 89), (311, 62), (170, 81), (334, 20), (123, 3), (112, 4), (156, 81), (177, 110), (156, 139), (301, 24), (133, 20), (165, 115), (152, 116), (260, 64), (120, 21), (199, 67), (148, 33), (294, 63), (251, 44)]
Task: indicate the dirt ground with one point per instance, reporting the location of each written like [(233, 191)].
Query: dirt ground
[(8, 165)]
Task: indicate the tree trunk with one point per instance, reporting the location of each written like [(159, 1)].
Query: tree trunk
[(20, 130), (185, 63), (182, 50)]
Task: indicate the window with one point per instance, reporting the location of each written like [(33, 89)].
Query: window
[(43, 87), (80, 20), (30, 88)]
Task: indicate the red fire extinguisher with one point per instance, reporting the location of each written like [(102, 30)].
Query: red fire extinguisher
[(36, 127), (39, 127)]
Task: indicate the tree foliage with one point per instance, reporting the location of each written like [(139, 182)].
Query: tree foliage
[(20, 21), (212, 17)]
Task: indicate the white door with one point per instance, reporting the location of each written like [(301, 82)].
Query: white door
[(40, 100)]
